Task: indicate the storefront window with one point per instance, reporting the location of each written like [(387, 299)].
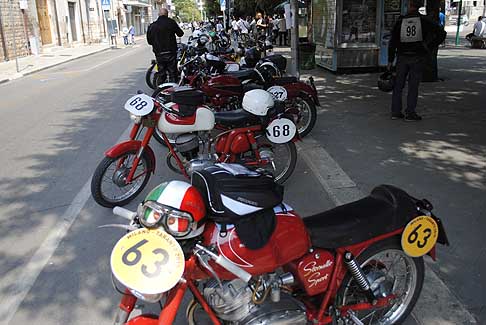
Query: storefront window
[(358, 22)]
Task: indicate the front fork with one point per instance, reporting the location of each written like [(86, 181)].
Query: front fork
[(126, 306), (145, 141)]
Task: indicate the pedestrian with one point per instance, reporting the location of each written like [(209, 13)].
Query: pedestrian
[(413, 39), (131, 31), (125, 35), (276, 21), (219, 26), (261, 25), (243, 26), (442, 18), (234, 28), (479, 27), (282, 31), (161, 34)]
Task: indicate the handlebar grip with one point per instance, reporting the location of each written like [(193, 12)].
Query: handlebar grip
[(236, 270), (125, 213)]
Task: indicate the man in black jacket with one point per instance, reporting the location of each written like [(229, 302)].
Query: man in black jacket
[(161, 34), (413, 38)]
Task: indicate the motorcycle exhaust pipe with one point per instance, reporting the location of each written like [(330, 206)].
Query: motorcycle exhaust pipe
[(359, 276)]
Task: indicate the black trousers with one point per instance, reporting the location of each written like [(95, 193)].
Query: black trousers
[(167, 63), (282, 36), (410, 67)]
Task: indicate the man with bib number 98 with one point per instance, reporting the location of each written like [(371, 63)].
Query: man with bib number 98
[(413, 39)]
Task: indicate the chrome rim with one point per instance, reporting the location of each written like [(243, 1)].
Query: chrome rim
[(304, 114), (279, 155), (112, 187), (400, 278)]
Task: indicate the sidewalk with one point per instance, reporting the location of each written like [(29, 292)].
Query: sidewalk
[(52, 57), (442, 158)]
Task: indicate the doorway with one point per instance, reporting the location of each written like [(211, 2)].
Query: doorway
[(44, 25), (72, 19)]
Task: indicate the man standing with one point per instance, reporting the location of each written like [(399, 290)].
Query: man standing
[(413, 38), (479, 27), (161, 35), (282, 31)]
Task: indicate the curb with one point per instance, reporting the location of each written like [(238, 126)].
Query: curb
[(20, 75), (341, 189)]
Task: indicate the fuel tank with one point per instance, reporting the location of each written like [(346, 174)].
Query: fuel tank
[(223, 85), (202, 120), (288, 242)]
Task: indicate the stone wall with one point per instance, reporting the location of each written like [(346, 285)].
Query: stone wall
[(16, 28)]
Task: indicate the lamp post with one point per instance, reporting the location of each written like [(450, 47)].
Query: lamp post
[(459, 11)]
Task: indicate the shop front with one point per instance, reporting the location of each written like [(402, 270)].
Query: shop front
[(353, 34), (138, 15)]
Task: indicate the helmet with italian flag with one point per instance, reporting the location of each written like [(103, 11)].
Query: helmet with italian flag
[(175, 206)]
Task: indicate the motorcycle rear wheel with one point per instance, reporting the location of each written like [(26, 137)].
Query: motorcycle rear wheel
[(376, 264), (283, 158), (149, 76), (307, 114), (105, 176)]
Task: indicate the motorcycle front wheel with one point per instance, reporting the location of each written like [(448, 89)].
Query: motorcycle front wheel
[(389, 271), (280, 158), (108, 186)]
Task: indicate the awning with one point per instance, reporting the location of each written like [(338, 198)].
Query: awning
[(137, 4)]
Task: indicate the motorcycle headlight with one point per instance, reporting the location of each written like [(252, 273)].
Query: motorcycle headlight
[(135, 118), (145, 297), (176, 222)]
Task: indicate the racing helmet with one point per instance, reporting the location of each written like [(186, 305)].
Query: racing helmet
[(176, 207), (258, 102), (386, 81)]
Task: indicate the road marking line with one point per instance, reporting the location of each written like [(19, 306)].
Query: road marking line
[(341, 189), (29, 272)]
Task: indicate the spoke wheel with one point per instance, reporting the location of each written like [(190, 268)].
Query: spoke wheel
[(280, 159), (306, 114), (108, 185), (389, 271)]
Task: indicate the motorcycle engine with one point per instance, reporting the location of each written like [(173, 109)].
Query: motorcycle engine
[(188, 145), (234, 304)]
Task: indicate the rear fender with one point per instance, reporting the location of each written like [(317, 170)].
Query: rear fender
[(144, 320), (131, 145), (300, 88)]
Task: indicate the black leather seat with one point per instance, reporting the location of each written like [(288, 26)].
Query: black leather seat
[(245, 74), (279, 81), (235, 118), (387, 208), (251, 86)]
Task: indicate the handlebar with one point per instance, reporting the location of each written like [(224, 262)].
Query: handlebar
[(124, 213)]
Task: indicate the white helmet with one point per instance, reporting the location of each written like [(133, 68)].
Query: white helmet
[(257, 102), (196, 33)]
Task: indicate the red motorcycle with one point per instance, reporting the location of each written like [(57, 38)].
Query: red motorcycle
[(225, 91), (259, 136), (248, 258)]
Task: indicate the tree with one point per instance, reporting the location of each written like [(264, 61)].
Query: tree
[(212, 8), (186, 10)]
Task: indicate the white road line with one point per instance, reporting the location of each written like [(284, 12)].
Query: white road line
[(437, 305), (28, 273)]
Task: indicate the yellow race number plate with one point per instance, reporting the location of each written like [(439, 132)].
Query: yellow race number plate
[(149, 261), (420, 236)]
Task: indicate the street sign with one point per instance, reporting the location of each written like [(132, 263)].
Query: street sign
[(105, 4), (222, 3)]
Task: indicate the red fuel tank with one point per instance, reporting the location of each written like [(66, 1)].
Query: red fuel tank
[(288, 242), (223, 85)]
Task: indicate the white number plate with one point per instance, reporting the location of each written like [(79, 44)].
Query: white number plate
[(140, 105), (411, 30), (281, 130), (279, 93)]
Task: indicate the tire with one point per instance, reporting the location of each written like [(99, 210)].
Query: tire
[(99, 174), (159, 78), (403, 306), (267, 148), (149, 76), (304, 126)]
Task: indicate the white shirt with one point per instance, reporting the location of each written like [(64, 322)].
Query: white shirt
[(243, 26), (479, 28), (234, 24), (219, 27)]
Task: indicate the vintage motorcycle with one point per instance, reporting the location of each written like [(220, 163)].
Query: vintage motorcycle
[(225, 91), (248, 258), (260, 135)]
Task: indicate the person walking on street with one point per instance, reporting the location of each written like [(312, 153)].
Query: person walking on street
[(161, 34), (234, 28), (276, 21), (282, 31), (125, 35), (261, 24), (413, 38), (479, 27), (131, 32)]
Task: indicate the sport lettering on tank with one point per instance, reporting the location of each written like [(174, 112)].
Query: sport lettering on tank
[(411, 30)]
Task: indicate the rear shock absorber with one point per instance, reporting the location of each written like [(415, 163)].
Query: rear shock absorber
[(359, 276)]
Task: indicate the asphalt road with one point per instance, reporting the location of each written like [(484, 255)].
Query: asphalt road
[(56, 125)]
